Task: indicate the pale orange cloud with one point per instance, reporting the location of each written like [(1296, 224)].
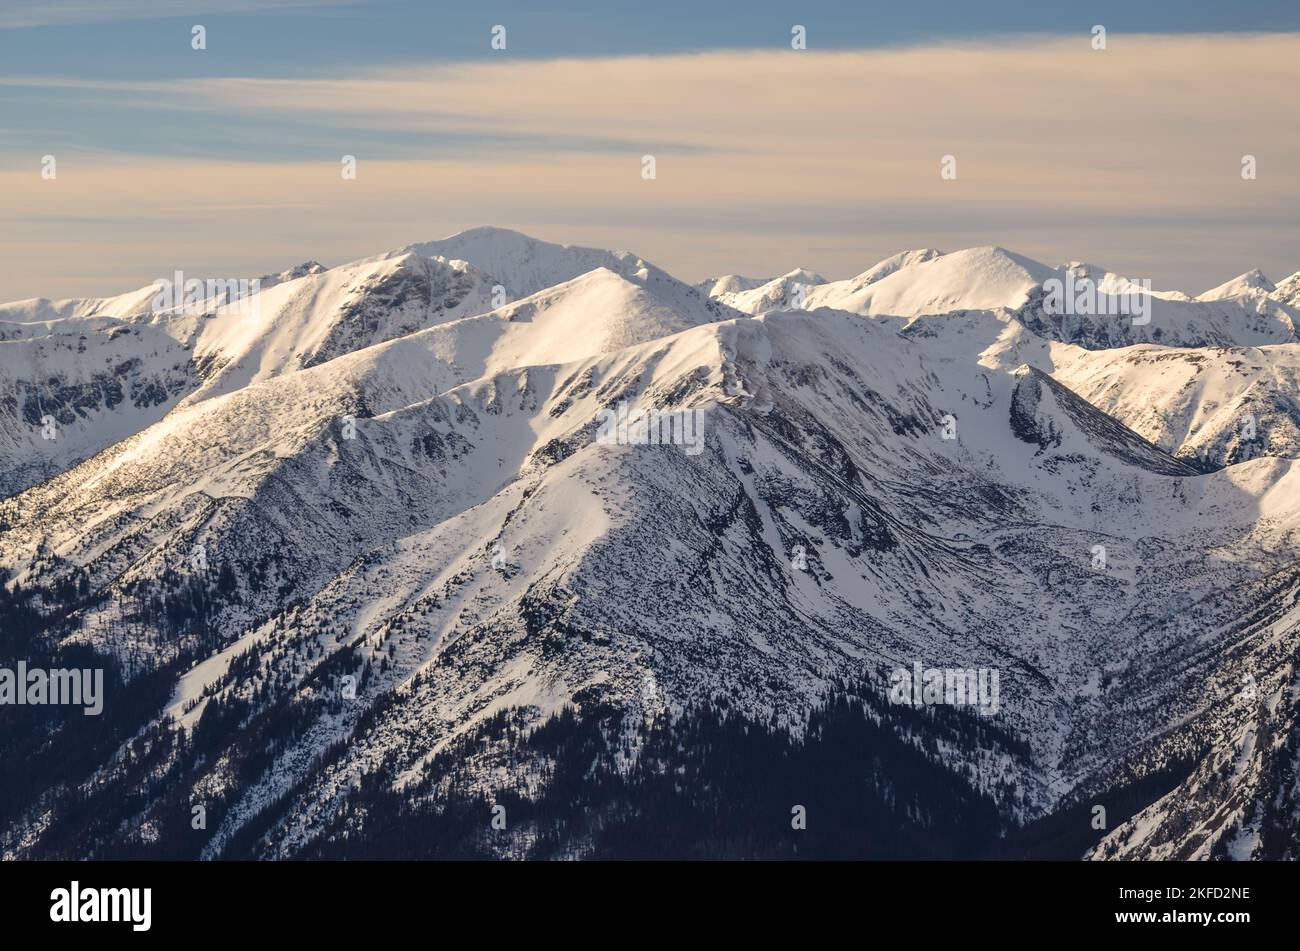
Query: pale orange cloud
[(765, 160)]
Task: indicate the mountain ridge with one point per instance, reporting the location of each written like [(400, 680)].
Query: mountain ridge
[(401, 480)]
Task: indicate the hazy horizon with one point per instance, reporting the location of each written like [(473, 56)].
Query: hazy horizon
[(225, 161)]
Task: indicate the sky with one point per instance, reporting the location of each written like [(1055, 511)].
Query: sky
[(226, 161)]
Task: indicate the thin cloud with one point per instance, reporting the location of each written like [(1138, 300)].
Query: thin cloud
[(73, 12), (766, 160)]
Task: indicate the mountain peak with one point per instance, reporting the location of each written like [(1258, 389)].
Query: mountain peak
[(803, 275), (306, 269), (1252, 281), (523, 264), (928, 282), (1288, 289), (893, 263)]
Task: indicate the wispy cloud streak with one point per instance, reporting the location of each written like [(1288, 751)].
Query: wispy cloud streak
[(71, 12), (766, 160)]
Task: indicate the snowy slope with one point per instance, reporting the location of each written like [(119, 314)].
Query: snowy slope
[(1249, 318), (310, 315), (759, 295), (392, 479), (927, 282), (780, 293), (310, 320), (653, 586), (74, 386), (1288, 290), (1243, 312), (1252, 282), (220, 453), (526, 265), (729, 284), (1214, 404)]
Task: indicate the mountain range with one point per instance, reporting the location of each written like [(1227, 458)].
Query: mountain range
[(368, 581)]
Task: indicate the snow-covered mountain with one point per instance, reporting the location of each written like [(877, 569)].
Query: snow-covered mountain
[(73, 386), (1288, 291), (1252, 282), (780, 293), (297, 319), (526, 266), (368, 568), (1217, 405)]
